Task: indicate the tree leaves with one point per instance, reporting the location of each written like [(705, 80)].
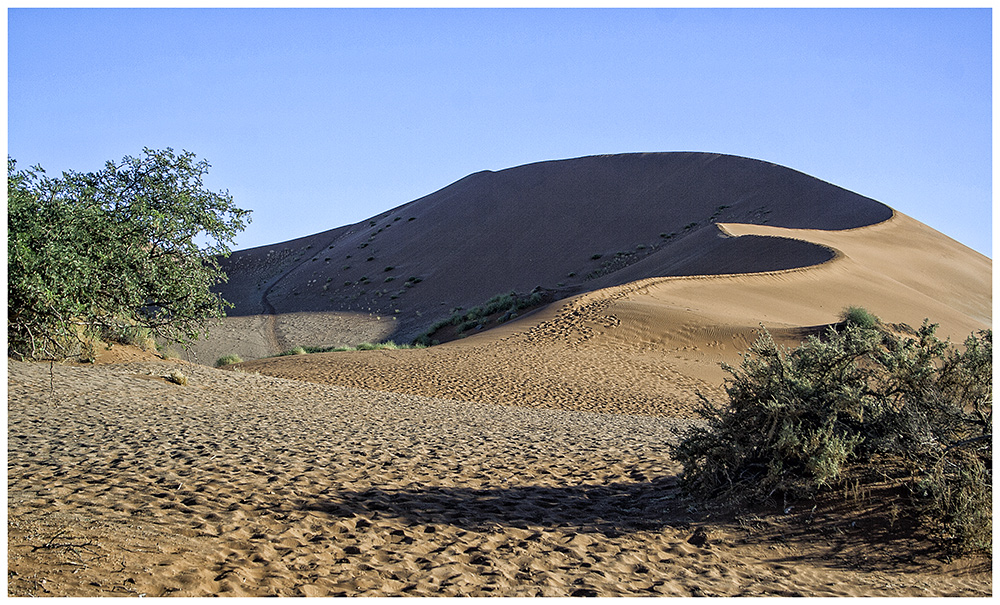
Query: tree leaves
[(97, 252)]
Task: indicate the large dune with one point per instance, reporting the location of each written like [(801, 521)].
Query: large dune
[(667, 264), (569, 226)]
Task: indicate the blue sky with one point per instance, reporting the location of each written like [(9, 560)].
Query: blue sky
[(317, 118)]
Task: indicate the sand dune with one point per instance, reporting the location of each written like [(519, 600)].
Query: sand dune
[(651, 346), (569, 226)]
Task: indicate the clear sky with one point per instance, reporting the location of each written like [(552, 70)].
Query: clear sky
[(317, 118)]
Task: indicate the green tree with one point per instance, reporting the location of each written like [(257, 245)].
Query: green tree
[(97, 254)]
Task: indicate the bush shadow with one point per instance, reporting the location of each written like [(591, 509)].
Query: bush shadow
[(610, 509)]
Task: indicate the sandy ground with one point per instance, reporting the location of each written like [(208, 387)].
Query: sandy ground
[(238, 484)]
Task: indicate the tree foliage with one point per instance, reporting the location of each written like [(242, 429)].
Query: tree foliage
[(914, 407), (98, 253)]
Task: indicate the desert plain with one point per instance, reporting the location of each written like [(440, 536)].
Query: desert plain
[(522, 458)]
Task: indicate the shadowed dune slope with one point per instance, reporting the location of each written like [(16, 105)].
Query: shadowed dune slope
[(569, 225)]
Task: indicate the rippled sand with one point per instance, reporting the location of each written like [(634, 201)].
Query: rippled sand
[(237, 484)]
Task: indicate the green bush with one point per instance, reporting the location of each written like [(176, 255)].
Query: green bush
[(227, 360), (859, 316), (796, 421)]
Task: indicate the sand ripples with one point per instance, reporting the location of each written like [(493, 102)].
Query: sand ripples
[(121, 483)]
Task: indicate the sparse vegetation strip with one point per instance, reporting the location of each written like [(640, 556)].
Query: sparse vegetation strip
[(365, 346), (506, 304)]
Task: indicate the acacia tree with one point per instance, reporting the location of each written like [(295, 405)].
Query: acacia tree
[(98, 253)]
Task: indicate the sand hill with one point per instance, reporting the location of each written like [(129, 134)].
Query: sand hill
[(567, 226), (662, 265)]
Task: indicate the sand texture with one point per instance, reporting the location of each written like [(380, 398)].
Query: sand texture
[(120, 483)]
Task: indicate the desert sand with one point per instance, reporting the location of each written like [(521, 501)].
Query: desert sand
[(121, 483), (528, 458)]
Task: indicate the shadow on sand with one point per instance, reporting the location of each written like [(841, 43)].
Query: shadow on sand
[(610, 509)]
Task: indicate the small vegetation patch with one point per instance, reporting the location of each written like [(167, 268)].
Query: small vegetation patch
[(859, 316), (365, 346), (228, 360), (497, 310), (177, 377)]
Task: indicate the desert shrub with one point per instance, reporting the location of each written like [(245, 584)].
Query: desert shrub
[(177, 377), (500, 302), (227, 360), (859, 316), (917, 409)]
